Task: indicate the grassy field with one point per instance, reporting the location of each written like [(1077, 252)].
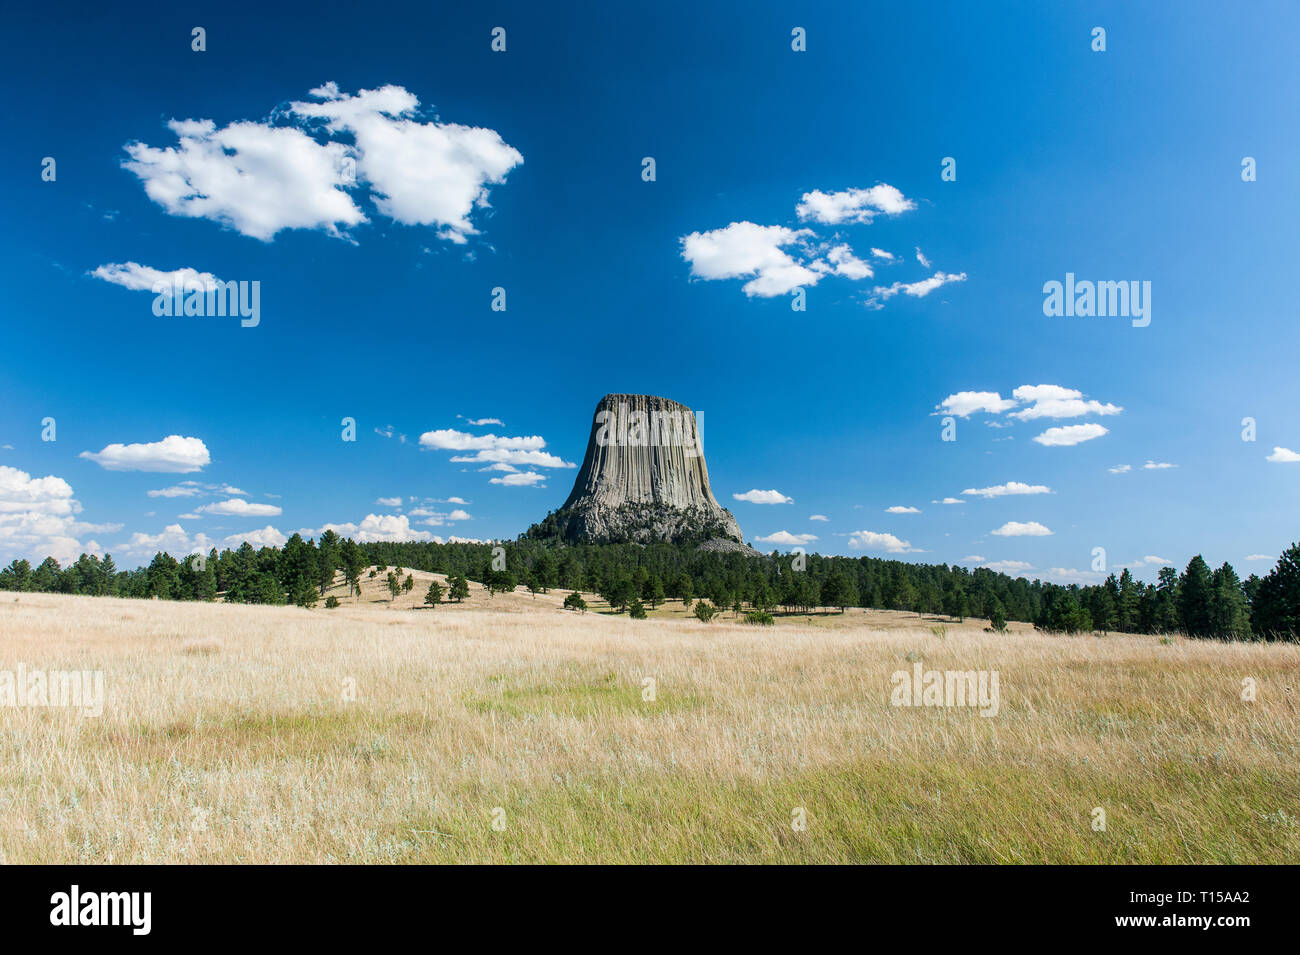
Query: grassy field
[(509, 730)]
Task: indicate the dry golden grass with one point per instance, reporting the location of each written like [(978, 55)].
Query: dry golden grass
[(226, 737)]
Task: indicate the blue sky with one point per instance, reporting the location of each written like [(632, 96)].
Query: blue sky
[(1122, 165)]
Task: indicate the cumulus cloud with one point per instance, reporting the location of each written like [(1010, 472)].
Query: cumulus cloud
[(853, 205), (1149, 560), (379, 527), (756, 496), (918, 289), (1158, 466), (1070, 435), (173, 540), (520, 479), (1018, 529), (777, 259), (1012, 568), (871, 540), (1010, 488), (194, 489), (966, 403), (756, 252), (818, 517), (38, 519), (389, 501), (502, 453), (786, 539), (253, 178), (260, 179), (238, 507), (144, 278), (1283, 456), (902, 509), (949, 500), (541, 459), (1054, 401), (1120, 469), (267, 536), (174, 454), (448, 439)]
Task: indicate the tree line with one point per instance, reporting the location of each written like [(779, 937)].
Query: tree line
[(1199, 602)]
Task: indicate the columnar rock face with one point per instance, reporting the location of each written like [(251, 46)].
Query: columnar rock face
[(644, 479)]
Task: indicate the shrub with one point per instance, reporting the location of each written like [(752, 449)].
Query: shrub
[(331, 602), (705, 611), (575, 602), (636, 609), (759, 618)]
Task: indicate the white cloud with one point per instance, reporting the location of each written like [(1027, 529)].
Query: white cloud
[(902, 509), (845, 263), (1054, 401), (1120, 469), (871, 540), (1259, 556), (920, 257), (743, 249), (173, 454), (432, 174), (541, 459), (448, 439), (1149, 561), (195, 489), (786, 539), (882, 254), (973, 559), (1283, 456), (38, 519), (965, 403), (1012, 568), (756, 496), (1070, 435), (480, 422), (455, 500), (949, 500), (818, 517), (144, 278), (238, 507), (1062, 575), (1017, 529), (389, 501), (1157, 466), (853, 205), (520, 479), (379, 527), (1010, 488), (253, 178), (259, 179), (918, 289), (173, 540), (268, 536)]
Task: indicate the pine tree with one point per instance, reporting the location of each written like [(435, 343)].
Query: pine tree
[(1193, 598)]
